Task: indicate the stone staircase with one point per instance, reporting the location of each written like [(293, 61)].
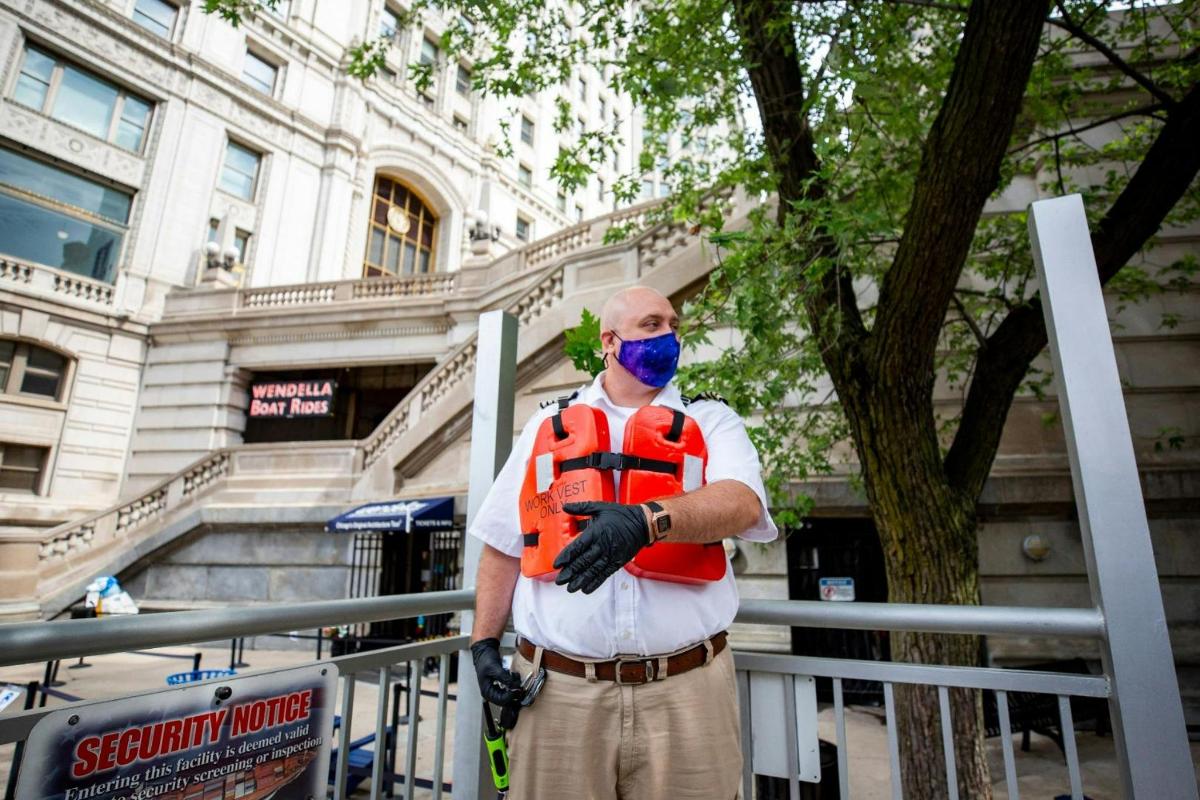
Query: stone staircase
[(573, 270)]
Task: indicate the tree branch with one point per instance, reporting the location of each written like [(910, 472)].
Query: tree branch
[(1140, 111), (971, 323), (960, 167), (1065, 22), (1169, 168), (768, 40)]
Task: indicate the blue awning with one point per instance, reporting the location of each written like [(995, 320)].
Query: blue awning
[(431, 513)]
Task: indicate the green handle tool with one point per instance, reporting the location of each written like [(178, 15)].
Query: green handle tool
[(493, 737)]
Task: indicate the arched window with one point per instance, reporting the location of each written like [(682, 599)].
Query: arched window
[(402, 232), (26, 369)]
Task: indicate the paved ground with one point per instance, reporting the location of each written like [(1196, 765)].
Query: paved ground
[(1042, 772)]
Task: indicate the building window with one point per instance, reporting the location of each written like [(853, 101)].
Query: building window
[(402, 232), (81, 99), (603, 110), (156, 16), (60, 219), (578, 213), (390, 25), (600, 189), (21, 468), (240, 172), (241, 243), (583, 90), (26, 369), (429, 55), (526, 130), (462, 81), (524, 227), (562, 202), (525, 176), (259, 73), (647, 188)]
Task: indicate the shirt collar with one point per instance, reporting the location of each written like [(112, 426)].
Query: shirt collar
[(668, 396)]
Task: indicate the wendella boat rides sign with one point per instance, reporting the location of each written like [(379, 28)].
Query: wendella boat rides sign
[(247, 738), (292, 399)]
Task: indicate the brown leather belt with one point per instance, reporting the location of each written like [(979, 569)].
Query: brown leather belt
[(632, 670)]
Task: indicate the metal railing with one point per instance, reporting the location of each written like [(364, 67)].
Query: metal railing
[(985, 620), (52, 641)]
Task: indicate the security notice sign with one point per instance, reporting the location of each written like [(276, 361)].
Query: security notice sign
[(247, 738), (836, 589)]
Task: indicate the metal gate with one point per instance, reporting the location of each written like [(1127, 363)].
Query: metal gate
[(394, 562)]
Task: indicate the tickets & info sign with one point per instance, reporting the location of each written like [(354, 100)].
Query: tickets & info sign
[(249, 738)]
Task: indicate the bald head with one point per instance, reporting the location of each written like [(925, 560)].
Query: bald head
[(625, 311)]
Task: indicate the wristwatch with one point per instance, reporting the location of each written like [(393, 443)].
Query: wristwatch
[(660, 522)]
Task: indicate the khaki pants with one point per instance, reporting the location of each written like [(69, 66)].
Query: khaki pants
[(674, 739)]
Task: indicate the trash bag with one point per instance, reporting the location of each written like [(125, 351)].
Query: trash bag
[(106, 596)]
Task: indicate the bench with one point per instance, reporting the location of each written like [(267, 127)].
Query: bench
[(1031, 712)]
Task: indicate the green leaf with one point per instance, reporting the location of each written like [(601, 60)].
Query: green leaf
[(583, 344)]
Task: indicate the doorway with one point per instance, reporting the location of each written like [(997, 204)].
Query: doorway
[(362, 397), (395, 562), (845, 552)]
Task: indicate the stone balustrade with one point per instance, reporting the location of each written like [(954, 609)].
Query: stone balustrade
[(30, 278)]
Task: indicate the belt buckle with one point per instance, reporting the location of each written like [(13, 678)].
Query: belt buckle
[(648, 663)]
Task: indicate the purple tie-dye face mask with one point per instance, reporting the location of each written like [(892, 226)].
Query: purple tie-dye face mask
[(652, 361)]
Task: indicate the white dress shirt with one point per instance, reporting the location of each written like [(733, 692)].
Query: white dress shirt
[(627, 614)]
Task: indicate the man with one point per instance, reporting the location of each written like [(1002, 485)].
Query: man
[(661, 721)]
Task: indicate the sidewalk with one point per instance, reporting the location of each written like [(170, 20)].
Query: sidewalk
[(1042, 771)]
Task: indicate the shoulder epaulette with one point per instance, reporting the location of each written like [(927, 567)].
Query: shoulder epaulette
[(687, 401), (561, 402)]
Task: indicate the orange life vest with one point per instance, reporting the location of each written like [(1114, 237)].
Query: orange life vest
[(572, 433), (663, 455)]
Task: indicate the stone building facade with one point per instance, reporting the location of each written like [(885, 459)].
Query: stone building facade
[(142, 140)]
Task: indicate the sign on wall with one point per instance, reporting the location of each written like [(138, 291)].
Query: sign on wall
[(262, 736), (292, 399), (837, 589)]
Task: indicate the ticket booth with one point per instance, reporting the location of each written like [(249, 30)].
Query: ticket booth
[(399, 547)]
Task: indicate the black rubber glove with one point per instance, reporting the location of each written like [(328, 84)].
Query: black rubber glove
[(614, 535), (498, 685)]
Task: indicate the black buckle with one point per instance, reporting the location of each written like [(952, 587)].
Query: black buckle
[(605, 460)]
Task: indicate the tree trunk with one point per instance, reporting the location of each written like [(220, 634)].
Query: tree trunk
[(922, 543), (928, 534)]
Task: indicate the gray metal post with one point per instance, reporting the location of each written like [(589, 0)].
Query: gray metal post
[(1148, 725), (491, 440)]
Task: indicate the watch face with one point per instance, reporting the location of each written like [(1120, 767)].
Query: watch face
[(663, 523)]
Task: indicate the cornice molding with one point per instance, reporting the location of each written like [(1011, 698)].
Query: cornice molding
[(320, 336)]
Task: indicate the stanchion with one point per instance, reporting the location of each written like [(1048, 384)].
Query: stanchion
[(10, 790)]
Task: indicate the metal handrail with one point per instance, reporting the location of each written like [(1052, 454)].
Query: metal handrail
[(984, 620), (26, 642)]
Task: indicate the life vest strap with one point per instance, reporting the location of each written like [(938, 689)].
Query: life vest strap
[(531, 539), (602, 459)]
